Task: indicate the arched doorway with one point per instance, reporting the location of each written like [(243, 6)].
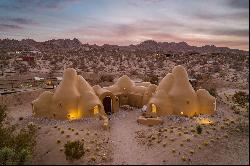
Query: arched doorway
[(107, 103)]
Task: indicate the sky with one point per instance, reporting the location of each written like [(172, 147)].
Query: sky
[(222, 23)]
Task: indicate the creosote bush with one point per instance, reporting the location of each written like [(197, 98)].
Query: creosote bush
[(15, 147), (199, 129), (2, 112), (74, 150), (153, 79), (108, 78), (213, 92), (241, 98)]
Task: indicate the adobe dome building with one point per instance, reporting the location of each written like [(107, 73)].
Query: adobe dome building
[(75, 98), (176, 96)]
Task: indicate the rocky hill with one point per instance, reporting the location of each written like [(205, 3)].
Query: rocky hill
[(75, 45)]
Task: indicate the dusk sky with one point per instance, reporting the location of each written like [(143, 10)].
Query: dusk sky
[(124, 22)]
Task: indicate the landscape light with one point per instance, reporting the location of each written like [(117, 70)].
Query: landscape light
[(204, 121), (74, 114)]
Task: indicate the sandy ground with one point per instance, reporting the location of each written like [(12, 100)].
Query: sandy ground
[(125, 147), (128, 142)]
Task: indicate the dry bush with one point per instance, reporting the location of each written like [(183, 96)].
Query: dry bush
[(108, 78), (74, 150), (16, 148), (241, 98)]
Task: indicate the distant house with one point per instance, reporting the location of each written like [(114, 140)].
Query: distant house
[(210, 62), (35, 52), (38, 78), (59, 78)]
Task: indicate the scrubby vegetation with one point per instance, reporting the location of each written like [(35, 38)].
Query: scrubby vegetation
[(2, 113), (74, 150), (108, 78), (16, 148), (213, 92), (153, 79), (199, 129), (241, 98)]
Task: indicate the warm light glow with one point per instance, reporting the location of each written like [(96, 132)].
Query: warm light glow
[(205, 121), (74, 114), (49, 82), (181, 113), (153, 108), (33, 109), (96, 110), (124, 88)]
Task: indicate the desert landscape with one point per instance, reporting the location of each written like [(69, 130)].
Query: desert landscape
[(29, 67), (176, 141)]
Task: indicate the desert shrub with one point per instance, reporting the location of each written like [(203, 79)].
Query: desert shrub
[(213, 92), (133, 72), (74, 150), (241, 98), (153, 79), (108, 78), (23, 156), (199, 129), (6, 156), (2, 112), (16, 147), (235, 109)]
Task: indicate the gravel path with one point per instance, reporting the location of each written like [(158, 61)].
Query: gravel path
[(126, 149)]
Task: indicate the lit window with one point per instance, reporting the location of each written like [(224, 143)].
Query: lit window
[(153, 108), (96, 110)]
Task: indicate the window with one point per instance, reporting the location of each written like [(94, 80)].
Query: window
[(153, 108)]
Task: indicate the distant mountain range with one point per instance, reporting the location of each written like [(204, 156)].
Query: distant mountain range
[(75, 44)]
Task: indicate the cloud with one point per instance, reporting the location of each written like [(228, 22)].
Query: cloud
[(23, 5), (18, 20), (223, 31), (140, 30), (5, 27), (241, 4), (130, 31), (237, 16)]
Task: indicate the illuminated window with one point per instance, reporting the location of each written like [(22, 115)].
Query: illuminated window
[(153, 108), (96, 110)]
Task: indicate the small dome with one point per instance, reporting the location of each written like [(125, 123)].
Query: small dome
[(125, 82)]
